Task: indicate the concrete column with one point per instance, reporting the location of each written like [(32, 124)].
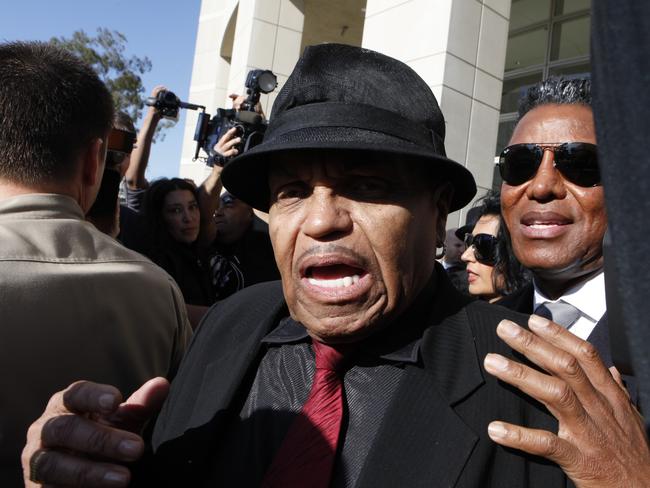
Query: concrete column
[(210, 72), (267, 35), (459, 49)]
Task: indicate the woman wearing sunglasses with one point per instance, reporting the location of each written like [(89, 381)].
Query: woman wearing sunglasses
[(492, 269)]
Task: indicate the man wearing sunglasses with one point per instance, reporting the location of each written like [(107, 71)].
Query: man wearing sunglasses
[(554, 207)]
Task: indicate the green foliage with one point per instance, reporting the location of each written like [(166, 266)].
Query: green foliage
[(106, 54)]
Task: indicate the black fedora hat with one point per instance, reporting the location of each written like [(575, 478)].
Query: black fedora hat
[(342, 98)]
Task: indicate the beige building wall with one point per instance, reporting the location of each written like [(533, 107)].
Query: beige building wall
[(457, 46)]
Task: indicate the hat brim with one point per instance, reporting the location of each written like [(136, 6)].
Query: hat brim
[(246, 176)]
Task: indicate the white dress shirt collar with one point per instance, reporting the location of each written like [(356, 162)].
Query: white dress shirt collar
[(588, 297)]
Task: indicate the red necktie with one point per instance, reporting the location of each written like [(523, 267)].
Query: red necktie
[(306, 455)]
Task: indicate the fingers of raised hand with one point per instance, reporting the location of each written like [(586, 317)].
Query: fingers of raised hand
[(66, 425), (584, 352), (79, 434), (226, 145), (86, 397), (600, 393), (534, 441), (146, 401), (559, 362), (157, 89), (558, 397), (237, 100), (63, 469)]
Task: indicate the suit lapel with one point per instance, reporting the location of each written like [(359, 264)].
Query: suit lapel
[(599, 337), (520, 301), (224, 376), (424, 442)]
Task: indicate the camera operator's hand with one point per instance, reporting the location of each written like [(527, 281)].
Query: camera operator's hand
[(153, 111), (135, 173), (226, 146), (86, 434), (237, 101)]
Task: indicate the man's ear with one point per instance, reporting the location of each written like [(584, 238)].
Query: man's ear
[(93, 160), (442, 200)]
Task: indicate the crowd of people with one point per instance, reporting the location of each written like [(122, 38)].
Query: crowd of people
[(211, 243), (391, 352)]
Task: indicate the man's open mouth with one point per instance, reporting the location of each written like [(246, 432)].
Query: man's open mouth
[(334, 275)]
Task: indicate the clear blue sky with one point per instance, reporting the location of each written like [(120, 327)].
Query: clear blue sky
[(163, 30)]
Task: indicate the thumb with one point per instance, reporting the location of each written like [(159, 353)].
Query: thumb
[(142, 405)]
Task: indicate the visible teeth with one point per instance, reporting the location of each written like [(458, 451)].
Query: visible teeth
[(542, 226), (335, 283)]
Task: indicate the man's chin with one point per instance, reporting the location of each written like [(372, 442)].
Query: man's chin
[(561, 276), (334, 325)]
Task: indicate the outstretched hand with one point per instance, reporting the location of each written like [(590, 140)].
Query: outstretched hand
[(86, 434), (601, 440)]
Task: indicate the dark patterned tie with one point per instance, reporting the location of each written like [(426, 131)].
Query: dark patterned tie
[(306, 455), (560, 312)]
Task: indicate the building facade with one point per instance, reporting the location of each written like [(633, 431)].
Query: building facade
[(476, 55)]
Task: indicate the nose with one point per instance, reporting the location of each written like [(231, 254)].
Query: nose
[(468, 255), (327, 215), (187, 215), (547, 184)]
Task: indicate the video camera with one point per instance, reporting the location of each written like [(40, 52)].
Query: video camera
[(249, 124)]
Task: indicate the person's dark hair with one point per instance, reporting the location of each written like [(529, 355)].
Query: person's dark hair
[(122, 120), (556, 90), (51, 106), (506, 265), (154, 201)]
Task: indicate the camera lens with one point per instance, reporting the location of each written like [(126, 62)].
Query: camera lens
[(169, 97), (267, 81)]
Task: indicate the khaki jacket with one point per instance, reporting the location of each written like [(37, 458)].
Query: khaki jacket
[(75, 304)]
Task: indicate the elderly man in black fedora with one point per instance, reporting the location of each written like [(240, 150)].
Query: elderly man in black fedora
[(363, 367)]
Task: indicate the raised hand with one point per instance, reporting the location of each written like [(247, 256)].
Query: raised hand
[(227, 145), (601, 440)]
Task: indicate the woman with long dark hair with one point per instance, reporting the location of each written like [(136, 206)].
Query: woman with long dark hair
[(492, 268), (172, 214)]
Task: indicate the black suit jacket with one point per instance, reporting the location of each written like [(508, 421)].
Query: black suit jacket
[(434, 434)]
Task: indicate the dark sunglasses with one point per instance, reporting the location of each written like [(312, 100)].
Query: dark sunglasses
[(121, 140), (485, 247), (577, 162)]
